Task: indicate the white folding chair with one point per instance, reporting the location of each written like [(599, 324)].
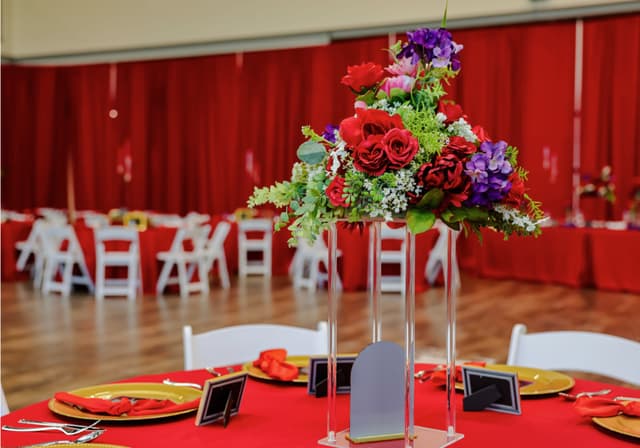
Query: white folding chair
[(166, 220), (185, 260), (107, 257), (249, 243), (62, 252), (95, 220), (397, 257), (243, 343), (580, 351), (196, 219), (4, 406), (53, 215), (438, 257), (305, 266), (33, 246), (214, 252)]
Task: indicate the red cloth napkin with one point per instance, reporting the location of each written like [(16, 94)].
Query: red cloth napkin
[(605, 407), (439, 377), (125, 405), (272, 362)]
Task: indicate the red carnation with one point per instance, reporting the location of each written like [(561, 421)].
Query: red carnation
[(460, 146), (360, 78), (401, 147), (335, 192), (446, 172), (370, 156), (451, 110)]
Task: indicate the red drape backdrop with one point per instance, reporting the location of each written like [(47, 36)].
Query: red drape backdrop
[(191, 122)]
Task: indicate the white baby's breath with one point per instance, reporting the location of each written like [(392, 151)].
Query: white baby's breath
[(462, 129)]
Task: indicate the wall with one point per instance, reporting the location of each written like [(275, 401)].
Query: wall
[(41, 28)]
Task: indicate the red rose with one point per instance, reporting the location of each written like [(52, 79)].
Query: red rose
[(460, 146), (481, 133), (360, 78), (370, 156), (447, 173), (452, 111), (367, 122), (401, 147), (335, 192), (516, 194)]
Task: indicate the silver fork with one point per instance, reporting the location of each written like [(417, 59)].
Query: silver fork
[(59, 424), (65, 428), (584, 394)]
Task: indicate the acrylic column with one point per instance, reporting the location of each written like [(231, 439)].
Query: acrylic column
[(414, 436)]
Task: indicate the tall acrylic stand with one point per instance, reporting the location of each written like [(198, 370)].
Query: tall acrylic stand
[(414, 436)]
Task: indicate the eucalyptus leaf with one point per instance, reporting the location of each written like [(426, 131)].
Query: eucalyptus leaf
[(420, 220), (311, 152)]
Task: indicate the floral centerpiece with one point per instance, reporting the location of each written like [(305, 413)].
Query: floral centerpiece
[(601, 186), (405, 154)]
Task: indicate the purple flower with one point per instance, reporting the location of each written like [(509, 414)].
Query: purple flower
[(432, 46), (489, 172), (329, 133)]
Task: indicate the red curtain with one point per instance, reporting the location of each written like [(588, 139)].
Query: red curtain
[(203, 131), (517, 82), (611, 107)]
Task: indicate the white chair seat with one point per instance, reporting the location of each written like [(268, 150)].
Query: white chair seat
[(580, 351), (243, 343)]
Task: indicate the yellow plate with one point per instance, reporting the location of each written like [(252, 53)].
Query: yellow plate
[(156, 391), (622, 424), (540, 382), (299, 361)]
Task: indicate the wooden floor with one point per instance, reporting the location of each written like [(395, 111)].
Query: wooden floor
[(51, 343)]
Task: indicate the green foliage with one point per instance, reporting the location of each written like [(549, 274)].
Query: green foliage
[(420, 220), (311, 152), (427, 129)]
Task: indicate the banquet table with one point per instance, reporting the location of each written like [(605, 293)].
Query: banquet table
[(576, 257), (282, 415)]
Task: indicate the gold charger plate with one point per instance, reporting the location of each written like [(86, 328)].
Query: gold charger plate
[(156, 391), (539, 381), (622, 424), (299, 361)]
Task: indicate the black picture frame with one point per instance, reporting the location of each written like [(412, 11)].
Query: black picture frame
[(221, 398), (502, 386), (318, 368)]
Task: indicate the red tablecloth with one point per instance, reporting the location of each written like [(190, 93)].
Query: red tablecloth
[(559, 255), (616, 260), (273, 415), (13, 232)]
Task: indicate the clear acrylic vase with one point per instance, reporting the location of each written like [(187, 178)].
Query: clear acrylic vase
[(414, 436)]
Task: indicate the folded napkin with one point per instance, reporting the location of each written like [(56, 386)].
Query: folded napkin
[(124, 405), (439, 376), (605, 407), (272, 362)]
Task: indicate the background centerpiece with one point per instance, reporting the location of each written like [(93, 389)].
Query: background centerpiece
[(406, 153)]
